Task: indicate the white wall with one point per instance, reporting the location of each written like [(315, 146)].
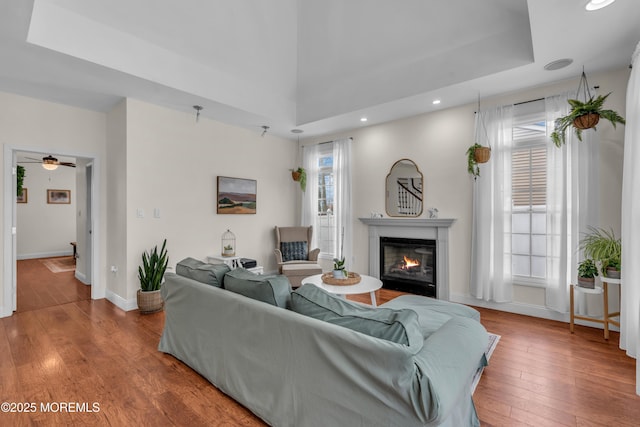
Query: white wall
[(437, 143), (149, 157), (172, 163), (43, 229), (27, 124), (116, 254), (83, 269)]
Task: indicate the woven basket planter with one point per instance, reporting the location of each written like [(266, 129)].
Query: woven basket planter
[(295, 175), (482, 154), (150, 301), (586, 121)]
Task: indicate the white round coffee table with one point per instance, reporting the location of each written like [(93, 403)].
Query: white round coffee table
[(366, 284)]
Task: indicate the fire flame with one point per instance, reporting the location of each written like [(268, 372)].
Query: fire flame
[(411, 262)]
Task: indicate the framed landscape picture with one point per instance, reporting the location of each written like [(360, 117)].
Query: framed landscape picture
[(23, 198), (59, 197), (236, 195)]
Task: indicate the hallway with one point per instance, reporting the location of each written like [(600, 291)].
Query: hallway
[(38, 287)]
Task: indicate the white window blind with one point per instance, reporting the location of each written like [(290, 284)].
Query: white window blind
[(528, 234)]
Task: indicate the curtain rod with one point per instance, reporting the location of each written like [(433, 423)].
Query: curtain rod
[(329, 142), (520, 103), (531, 100), (538, 99)]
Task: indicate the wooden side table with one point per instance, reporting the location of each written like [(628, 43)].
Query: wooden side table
[(607, 317)]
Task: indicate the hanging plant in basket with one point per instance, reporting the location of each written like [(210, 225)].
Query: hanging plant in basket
[(300, 175), (583, 115), (477, 154)]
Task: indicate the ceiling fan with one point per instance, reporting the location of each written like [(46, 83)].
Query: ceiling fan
[(50, 163)]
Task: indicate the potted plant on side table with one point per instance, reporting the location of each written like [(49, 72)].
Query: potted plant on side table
[(151, 274), (339, 270), (587, 271), (603, 246)]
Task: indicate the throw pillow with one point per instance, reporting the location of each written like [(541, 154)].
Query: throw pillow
[(400, 326), (211, 274), (294, 251), (274, 290)]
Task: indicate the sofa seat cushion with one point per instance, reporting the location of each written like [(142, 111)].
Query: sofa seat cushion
[(274, 290), (432, 313), (297, 270), (399, 326), (211, 274)]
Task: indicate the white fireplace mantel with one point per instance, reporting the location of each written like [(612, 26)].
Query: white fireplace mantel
[(413, 228)]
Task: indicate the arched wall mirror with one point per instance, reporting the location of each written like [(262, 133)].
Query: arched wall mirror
[(404, 189)]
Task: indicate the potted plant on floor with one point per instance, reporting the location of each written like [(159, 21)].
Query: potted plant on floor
[(587, 271), (151, 274), (602, 246)]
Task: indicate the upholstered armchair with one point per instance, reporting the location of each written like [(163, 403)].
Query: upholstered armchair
[(293, 256)]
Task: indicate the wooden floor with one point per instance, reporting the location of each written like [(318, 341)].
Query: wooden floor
[(104, 359), (39, 288)]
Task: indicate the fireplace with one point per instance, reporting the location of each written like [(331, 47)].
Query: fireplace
[(408, 265), (430, 229)]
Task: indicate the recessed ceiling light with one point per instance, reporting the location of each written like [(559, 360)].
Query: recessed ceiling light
[(436, 101), (598, 4), (363, 119), (296, 131), (560, 63)]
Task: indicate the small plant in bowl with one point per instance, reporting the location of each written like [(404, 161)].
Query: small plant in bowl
[(587, 271), (339, 270)]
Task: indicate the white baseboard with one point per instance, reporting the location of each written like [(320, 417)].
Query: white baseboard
[(526, 310), (82, 277), (118, 301), (44, 255), (5, 314)]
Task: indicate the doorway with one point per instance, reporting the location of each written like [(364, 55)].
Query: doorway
[(87, 189)]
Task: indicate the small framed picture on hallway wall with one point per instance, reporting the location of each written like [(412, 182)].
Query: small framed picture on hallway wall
[(59, 197), (23, 198)]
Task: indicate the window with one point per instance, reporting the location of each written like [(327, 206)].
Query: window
[(326, 219), (528, 234)]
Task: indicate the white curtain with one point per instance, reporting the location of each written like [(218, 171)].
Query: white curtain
[(630, 272), (309, 208), (572, 205), (343, 234), (490, 266), (572, 202), (342, 199)]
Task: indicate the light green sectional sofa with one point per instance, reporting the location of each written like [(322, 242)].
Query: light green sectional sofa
[(331, 362)]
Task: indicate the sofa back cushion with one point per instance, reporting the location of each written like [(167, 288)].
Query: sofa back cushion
[(294, 251), (211, 274), (399, 326), (274, 290)]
